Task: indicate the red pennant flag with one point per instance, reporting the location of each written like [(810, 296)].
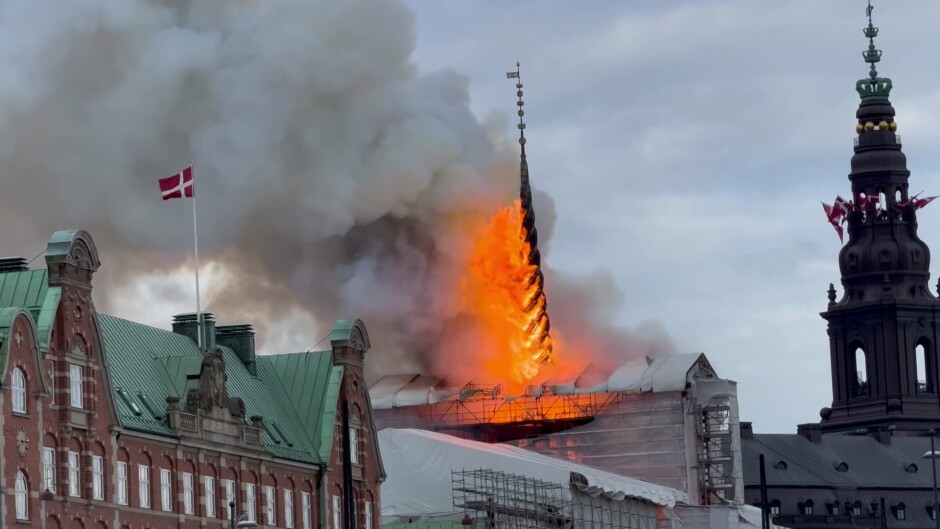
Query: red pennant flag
[(179, 185)]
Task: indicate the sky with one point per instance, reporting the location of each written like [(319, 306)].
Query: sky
[(687, 146), (680, 148)]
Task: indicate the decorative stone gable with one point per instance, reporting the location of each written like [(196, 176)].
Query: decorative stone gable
[(209, 413), (71, 258)]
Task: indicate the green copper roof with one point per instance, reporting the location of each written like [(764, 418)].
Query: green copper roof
[(148, 364), (30, 290), (24, 289), (311, 384)]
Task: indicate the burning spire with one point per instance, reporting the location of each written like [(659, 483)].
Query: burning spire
[(537, 305)]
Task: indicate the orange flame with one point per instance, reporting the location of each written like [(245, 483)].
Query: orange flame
[(499, 289)]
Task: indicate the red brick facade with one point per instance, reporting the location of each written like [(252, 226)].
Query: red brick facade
[(93, 434)]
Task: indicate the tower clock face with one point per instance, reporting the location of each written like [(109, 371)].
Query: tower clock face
[(22, 442)]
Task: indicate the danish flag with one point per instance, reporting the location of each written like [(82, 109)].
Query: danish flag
[(179, 185), (833, 218), (916, 202), (867, 203)]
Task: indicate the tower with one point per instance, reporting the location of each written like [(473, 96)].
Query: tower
[(883, 332)]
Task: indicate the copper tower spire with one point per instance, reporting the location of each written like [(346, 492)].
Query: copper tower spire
[(537, 304)]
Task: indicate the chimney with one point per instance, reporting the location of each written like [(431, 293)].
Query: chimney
[(810, 431), (882, 433), (12, 264), (186, 324), (747, 430), (241, 339)]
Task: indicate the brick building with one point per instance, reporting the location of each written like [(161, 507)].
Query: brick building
[(109, 423)]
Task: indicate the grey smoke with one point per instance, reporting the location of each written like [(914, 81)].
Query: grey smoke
[(332, 175)]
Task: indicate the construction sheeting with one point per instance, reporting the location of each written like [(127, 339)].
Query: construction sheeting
[(395, 391), (663, 374), (419, 465)]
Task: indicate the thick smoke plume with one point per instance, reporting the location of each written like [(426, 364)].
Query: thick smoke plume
[(333, 177)]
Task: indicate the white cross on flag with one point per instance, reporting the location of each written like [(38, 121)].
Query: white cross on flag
[(179, 185)]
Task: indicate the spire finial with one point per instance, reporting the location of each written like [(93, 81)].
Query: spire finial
[(872, 55), (875, 87), (516, 75)]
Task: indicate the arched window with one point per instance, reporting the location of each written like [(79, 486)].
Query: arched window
[(18, 388), (861, 372), (924, 367), (21, 492)]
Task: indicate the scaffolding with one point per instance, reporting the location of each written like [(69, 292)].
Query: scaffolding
[(492, 499), (715, 431)]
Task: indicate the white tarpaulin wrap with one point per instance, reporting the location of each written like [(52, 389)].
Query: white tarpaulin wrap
[(419, 465), (663, 374)]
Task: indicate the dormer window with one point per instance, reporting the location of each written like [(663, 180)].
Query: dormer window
[(835, 508), (807, 508), (775, 507), (781, 465), (76, 399), (857, 509), (900, 511)]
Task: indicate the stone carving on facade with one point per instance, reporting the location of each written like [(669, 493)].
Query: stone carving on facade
[(356, 341), (212, 393), (81, 256)]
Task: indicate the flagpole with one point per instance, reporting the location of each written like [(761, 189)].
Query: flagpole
[(196, 259)]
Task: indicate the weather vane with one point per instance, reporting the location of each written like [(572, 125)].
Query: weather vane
[(520, 103)]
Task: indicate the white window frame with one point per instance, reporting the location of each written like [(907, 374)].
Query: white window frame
[(143, 486), (209, 484), (120, 494), (368, 509), (18, 390), (307, 510), (251, 503), (189, 499), (337, 512), (288, 509), (76, 386), (21, 496), (270, 506), (48, 469), (166, 490), (97, 477), (354, 445), (229, 486), (75, 473)]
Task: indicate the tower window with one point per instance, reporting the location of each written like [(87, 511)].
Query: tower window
[(924, 365), (862, 387)]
